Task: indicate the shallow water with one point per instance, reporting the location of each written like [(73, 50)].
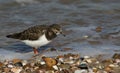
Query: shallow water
[(79, 19)]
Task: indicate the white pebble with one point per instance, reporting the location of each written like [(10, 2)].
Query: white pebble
[(24, 62), (61, 59), (81, 71), (42, 63), (55, 67), (86, 36), (86, 57), (10, 66), (71, 58), (89, 60)]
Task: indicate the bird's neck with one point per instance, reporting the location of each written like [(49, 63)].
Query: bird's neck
[(50, 35)]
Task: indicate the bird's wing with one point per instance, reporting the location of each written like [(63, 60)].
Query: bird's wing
[(33, 33)]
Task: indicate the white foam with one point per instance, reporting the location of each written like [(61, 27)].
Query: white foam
[(24, 2)]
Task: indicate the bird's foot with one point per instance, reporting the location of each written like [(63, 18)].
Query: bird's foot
[(35, 51)]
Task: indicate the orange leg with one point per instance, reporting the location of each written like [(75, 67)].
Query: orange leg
[(35, 51)]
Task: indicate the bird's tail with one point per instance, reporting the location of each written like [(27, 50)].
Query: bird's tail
[(15, 36)]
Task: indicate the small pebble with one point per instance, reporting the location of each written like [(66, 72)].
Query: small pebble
[(81, 71), (98, 29), (10, 66), (67, 63), (55, 67), (16, 70)]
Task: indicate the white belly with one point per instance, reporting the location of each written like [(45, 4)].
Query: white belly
[(37, 43)]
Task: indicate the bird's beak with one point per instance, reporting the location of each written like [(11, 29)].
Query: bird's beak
[(62, 34)]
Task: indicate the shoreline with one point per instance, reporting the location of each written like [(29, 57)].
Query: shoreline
[(65, 63)]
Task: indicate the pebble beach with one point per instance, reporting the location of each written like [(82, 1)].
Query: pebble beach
[(65, 63)]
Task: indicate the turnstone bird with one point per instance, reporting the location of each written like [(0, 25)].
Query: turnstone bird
[(38, 35)]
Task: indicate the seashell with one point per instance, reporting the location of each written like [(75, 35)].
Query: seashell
[(16, 70)]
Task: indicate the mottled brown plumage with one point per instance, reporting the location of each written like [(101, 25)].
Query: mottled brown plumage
[(31, 33)]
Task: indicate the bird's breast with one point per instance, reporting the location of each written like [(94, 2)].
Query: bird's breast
[(37, 43)]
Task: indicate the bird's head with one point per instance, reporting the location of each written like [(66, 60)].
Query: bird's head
[(56, 29)]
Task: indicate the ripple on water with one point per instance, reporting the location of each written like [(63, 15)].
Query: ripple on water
[(79, 19)]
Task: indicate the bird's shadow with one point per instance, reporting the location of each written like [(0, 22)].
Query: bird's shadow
[(22, 48)]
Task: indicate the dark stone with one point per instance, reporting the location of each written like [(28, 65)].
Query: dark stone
[(18, 64), (83, 66), (116, 56)]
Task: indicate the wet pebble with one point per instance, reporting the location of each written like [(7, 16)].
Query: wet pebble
[(18, 64), (98, 29), (83, 65)]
